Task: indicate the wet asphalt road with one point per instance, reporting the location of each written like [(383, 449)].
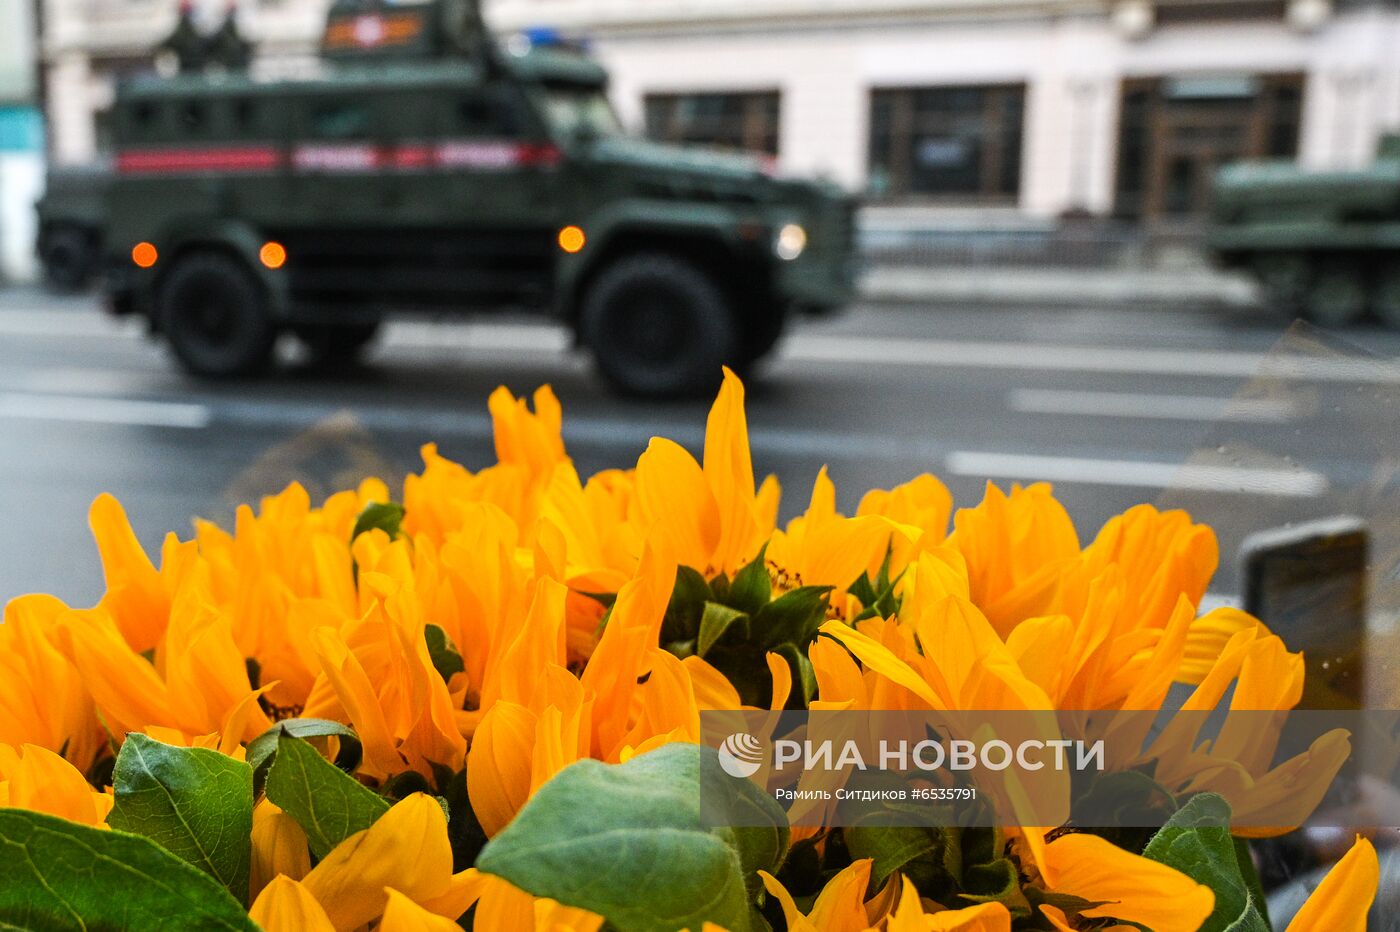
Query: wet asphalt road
[(1242, 418)]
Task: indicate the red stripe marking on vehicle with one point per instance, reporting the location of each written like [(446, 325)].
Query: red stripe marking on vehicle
[(540, 155), (480, 154), (175, 161), (492, 153), (411, 156), (352, 158)]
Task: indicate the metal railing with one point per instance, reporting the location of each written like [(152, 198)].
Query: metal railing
[(1087, 244)]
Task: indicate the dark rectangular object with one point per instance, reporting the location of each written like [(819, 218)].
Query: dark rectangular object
[(1308, 584)]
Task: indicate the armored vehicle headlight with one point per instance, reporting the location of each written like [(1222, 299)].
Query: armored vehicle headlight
[(792, 240)]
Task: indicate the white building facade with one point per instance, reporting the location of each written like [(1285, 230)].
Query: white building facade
[(21, 141), (1033, 108)]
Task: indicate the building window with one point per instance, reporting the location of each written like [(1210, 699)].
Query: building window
[(1174, 12), (947, 142), (1175, 133), (744, 121)]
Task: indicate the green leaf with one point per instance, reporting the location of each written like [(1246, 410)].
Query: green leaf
[(752, 588), (1066, 903), (864, 590), (877, 597), (996, 881), (1197, 842), (59, 875), (605, 599), (627, 841), (804, 678), (1251, 879), (792, 619), (953, 852), (714, 623), (329, 804), (263, 748), (464, 831), (680, 649), (194, 802), (893, 848), (447, 659), (1124, 804), (749, 820), (688, 598), (384, 516)]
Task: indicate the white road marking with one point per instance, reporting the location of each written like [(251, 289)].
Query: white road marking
[(113, 381), (496, 338), (26, 323), (1287, 483), (1163, 407), (1051, 357), (950, 354), (123, 411), (831, 349), (1295, 483)]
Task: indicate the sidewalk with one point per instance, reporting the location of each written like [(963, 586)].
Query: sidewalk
[(992, 284), (1002, 256)]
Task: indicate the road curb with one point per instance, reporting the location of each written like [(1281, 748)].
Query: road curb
[(1056, 288)]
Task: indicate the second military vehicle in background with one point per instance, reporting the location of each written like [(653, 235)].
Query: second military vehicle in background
[(1325, 244), (427, 167)]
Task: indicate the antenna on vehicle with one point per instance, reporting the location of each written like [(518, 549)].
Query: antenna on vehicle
[(184, 48), (227, 47), (469, 35)]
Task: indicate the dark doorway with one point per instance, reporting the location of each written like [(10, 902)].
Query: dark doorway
[(1174, 133)]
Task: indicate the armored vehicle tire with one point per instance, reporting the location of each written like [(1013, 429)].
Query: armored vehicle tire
[(1285, 277), (1337, 295), (659, 326), (1386, 300), (336, 344), (762, 330), (69, 257), (215, 315)]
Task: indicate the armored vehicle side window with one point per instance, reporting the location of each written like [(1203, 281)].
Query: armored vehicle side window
[(244, 115), (474, 116), (143, 115), (192, 117), (340, 120), (492, 112), (138, 122)]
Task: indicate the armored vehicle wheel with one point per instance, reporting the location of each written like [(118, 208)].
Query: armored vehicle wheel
[(336, 344), (1337, 296), (215, 315), (1285, 277), (69, 257), (762, 330), (1386, 299), (659, 326)]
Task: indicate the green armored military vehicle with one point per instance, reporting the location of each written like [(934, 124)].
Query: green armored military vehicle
[(427, 167), (71, 215), (1326, 244)]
